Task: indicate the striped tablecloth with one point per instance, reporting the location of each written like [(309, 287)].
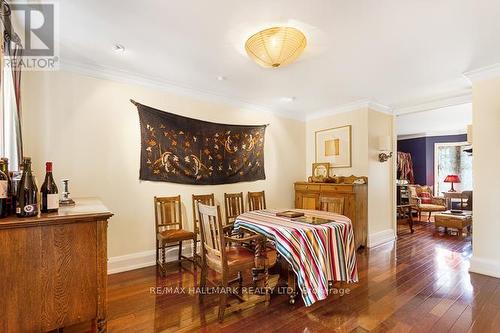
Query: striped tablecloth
[(316, 253)]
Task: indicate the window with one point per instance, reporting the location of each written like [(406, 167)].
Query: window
[(451, 159), (10, 121)]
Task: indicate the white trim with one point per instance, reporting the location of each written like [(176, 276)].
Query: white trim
[(117, 75), (485, 266), (483, 73), (381, 237), (131, 261), (429, 134), (458, 98), (437, 145), (138, 260), (349, 107)]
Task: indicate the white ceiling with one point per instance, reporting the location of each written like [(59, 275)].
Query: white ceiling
[(395, 52), (441, 121)]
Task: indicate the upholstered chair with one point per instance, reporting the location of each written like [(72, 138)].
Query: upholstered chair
[(422, 200)]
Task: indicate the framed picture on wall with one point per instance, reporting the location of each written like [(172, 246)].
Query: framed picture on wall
[(333, 146)]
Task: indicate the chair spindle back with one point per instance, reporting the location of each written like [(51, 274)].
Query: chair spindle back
[(332, 205), (168, 213), (256, 200)]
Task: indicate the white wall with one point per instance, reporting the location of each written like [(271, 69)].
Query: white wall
[(381, 184), (367, 126), (486, 141), (359, 122), (442, 121), (88, 127)]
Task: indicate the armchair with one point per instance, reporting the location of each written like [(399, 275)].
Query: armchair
[(422, 202)]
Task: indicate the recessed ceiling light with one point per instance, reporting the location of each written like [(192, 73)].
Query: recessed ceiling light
[(288, 99), (221, 78), (119, 48)]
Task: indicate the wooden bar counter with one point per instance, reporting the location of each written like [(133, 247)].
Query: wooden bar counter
[(53, 269)]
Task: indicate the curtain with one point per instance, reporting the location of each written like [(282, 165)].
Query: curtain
[(405, 167), (12, 147)]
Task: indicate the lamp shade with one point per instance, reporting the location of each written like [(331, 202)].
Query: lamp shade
[(276, 47), (452, 179)]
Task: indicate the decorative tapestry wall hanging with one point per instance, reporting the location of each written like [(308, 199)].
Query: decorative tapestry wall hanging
[(183, 150)]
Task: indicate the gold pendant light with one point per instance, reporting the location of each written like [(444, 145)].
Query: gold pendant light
[(276, 47)]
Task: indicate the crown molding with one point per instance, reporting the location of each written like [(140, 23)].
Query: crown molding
[(349, 107), (117, 75), (483, 73), (458, 98), (429, 134)]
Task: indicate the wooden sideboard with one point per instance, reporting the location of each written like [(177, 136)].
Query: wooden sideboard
[(355, 203), (53, 269)]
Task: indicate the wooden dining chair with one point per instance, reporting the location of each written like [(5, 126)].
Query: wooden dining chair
[(332, 204), (206, 199), (256, 200), (233, 203), (226, 256), (168, 227)]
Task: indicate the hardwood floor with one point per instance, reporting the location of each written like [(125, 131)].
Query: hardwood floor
[(420, 284)]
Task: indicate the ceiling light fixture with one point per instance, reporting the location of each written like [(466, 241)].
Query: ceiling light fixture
[(276, 47), (221, 78), (288, 99), (119, 48)]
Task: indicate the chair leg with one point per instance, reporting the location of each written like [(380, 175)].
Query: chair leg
[(195, 256), (429, 218), (419, 216), (195, 250), (240, 283), (157, 252), (223, 299), (180, 252), (162, 260), (203, 277)]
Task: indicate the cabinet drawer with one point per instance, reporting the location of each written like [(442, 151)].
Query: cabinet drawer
[(307, 187), (337, 188)]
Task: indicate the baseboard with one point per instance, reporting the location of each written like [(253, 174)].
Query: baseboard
[(137, 260), (485, 266), (381, 237)]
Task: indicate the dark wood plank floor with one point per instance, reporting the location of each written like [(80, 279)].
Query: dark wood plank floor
[(419, 284)]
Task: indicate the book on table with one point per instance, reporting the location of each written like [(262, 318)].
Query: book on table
[(290, 214)]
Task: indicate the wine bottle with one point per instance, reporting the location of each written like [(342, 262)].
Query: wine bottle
[(27, 192), (4, 190), (10, 198), (50, 196)]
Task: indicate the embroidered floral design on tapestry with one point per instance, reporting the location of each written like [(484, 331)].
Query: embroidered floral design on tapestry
[(183, 150)]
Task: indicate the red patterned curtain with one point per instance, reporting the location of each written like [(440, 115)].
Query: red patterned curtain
[(405, 167)]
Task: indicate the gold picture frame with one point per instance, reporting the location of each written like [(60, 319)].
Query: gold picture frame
[(334, 146), (321, 170)]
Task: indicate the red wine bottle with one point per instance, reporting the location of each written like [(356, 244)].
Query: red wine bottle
[(26, 192), (50, 196), (4, 190), (10, 199)]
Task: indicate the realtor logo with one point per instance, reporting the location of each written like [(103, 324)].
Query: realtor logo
[(34, 29)]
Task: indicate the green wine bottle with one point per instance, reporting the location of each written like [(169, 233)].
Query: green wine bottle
[(27, 192)]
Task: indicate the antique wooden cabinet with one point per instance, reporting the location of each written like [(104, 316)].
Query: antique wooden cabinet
[(355, 203), (53, 269)]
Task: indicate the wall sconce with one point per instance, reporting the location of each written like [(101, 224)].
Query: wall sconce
[(384, 145)]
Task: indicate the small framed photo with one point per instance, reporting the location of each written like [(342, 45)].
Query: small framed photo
[(321, 170)]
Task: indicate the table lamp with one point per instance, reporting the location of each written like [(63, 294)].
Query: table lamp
[(452, 179)]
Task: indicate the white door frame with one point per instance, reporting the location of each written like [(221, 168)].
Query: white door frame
[(437, 145)]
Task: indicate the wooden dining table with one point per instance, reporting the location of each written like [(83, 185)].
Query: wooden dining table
[(317, 253)]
